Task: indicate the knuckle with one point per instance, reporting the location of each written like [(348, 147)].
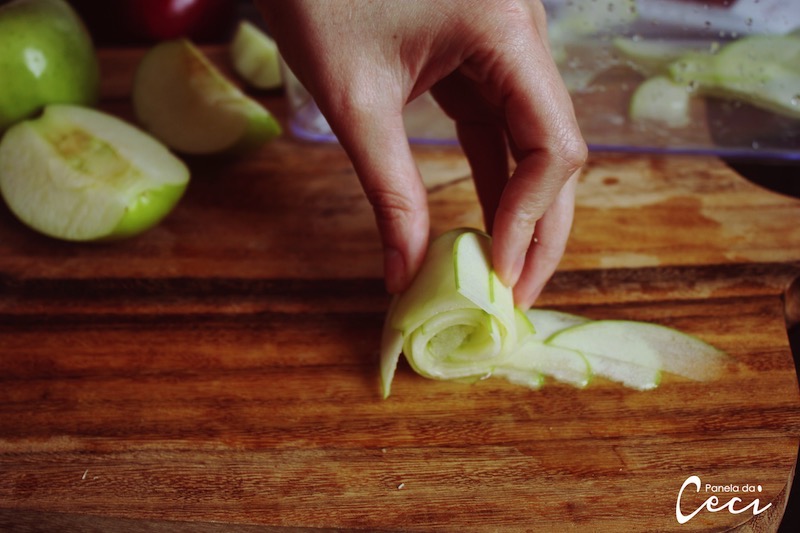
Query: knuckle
[(524, 215), (392, 207), (571, 152)]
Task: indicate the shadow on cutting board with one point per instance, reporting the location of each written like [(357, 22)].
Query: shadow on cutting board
[(783, 179)]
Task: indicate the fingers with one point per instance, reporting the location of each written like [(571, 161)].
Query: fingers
[(549, 148), (484, 145), (376, 142), (547, 248), (481, 136)]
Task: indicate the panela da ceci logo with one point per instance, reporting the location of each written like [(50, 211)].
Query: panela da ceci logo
[(715, 503)]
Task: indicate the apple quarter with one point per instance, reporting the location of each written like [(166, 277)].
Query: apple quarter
[(80, 174)]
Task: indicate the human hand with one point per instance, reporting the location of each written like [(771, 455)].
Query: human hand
[(489, 67)]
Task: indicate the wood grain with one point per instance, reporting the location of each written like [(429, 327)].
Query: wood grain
[(220, 371)]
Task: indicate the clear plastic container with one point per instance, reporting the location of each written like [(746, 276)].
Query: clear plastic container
[(602, 49)]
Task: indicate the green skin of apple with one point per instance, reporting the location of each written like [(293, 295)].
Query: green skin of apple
[(79, 147), (46, 56), (147, 211)]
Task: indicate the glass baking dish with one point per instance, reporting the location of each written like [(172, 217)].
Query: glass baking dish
[(605, 49)]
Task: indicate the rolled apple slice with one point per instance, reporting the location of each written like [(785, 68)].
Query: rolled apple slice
[(456, 320), (81, 175), (185, 101), (255, 57)]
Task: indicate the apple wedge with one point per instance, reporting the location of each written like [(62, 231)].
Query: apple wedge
[(255, 57), (186, 102), (81, 175)]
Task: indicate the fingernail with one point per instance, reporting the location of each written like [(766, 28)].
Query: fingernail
[(516, 271), (527, 300), (394, 270)]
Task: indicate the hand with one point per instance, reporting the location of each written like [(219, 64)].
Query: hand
[(489, 67)]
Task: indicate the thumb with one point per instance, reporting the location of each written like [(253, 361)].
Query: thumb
[(377, 144)]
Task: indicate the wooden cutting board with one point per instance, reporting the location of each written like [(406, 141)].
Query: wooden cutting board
[(221, 369)]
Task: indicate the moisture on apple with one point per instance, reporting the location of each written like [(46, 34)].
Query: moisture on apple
[(46, 57), (187, 103), (82, 175)]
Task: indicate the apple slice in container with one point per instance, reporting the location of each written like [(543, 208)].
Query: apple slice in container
[(187, 103), (79, 174)]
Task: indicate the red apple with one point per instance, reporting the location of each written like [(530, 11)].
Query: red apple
[(150, 21)]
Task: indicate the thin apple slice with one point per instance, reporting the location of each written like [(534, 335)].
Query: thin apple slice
[(80, 174), (629, 374), (532, 356), (547, 322), (646, 345), (186, 102), (255, 57), (561, 364)]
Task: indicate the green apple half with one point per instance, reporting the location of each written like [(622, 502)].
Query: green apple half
[(46, 56), (81, 175), (186, 102), (255, 57)]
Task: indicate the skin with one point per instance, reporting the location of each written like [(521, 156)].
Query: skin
[(489, 66)]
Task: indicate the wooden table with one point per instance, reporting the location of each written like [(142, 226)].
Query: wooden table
[(221, 369)]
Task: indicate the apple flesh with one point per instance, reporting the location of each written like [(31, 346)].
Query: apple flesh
[(635, 353), (82, 175), (186, 102), (46, 57), (255, 57)]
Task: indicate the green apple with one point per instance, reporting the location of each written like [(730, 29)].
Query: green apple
[(46, 56), (79, 174), (187, 103), (255, 57)]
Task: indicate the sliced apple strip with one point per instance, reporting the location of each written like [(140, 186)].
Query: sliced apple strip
[(561, 364), (547, 322), (80, 174), (532, 355), (255, 57), (647, 346), (185, 101)]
